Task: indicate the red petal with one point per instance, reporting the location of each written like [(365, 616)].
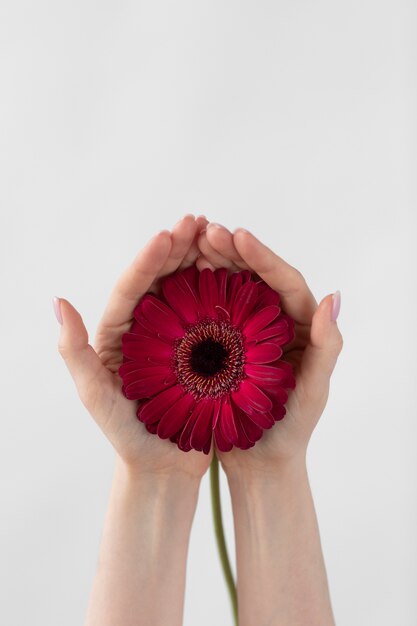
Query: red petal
[(278, 412), (154, 409), (243, 441), (184, 440), (152, 427), (252, 431), (280, 331), (235, 282), (202, 431), (250, 398), (266, 296), (216, 412), (226, 422), (221, 277), (246, 275), (208, 292), (162, 317), (259, 320), (267, 374), (263, 420), (141, 328), (278, 395), (176, 417), (263, 353), (155, 350), (148, 387), (133, 371), (221, 444), (180, 292), (244, 302)]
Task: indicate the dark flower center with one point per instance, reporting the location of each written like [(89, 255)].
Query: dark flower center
[(208, 360), (208, 357)]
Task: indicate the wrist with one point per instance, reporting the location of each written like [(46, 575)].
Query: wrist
[(265, 471), (164, 486)]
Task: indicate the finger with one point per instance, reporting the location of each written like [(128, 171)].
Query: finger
[(321, 353), (93, 381), (219, 247), (134, 283), (297, 299), (215, 258), (182, 237), (194, 251), (202, 264)]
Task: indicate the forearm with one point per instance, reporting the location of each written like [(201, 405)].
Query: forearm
[(140, 576), (280, 569)]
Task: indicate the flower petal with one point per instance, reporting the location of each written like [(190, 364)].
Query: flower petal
[(266, 295), (202, 431), (184, 440), (221, 444), (250, 398), (161, 316), (252, 431), (243, 303), (278, 395), (243, 441), (153, 410), (153, 349), (259, 320), (263, 352), (176, 416), (208, 292), (226, 422), (263, 420), (235, 282), (281, 331), (267, 374), (180, 292), (221, 278), (148, 387), (131, 371)]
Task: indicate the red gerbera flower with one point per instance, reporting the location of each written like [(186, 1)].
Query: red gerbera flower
[(204, 358)]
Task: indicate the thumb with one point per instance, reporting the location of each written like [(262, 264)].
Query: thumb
[(326, 343), (91, 377)]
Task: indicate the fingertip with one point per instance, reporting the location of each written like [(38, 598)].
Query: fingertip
[(188, 217), (324, 329), (161, 242)]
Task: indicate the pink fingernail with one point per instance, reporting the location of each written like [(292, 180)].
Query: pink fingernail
[(336, 306), (57, 308), (214, 225)]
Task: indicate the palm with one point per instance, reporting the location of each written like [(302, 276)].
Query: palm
[(120, 424), (290, 435)]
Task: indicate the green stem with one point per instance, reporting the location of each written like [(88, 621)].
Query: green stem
[(220, 539)]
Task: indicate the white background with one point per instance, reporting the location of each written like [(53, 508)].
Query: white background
[(293, 119)]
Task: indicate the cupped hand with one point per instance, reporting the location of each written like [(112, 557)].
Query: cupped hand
[(95, 369), (313, 353)]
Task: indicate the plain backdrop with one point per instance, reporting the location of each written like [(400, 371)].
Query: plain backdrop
[(295, 120)]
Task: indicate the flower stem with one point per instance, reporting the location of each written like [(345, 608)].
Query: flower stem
[(220, 538)]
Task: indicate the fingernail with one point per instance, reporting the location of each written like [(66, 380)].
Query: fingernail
[(336, 306), (57, 308)]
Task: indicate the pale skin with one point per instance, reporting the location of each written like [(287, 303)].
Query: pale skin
[(140, 578)]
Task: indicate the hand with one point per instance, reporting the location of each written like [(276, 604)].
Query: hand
[(313, 353), (94, 369)]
